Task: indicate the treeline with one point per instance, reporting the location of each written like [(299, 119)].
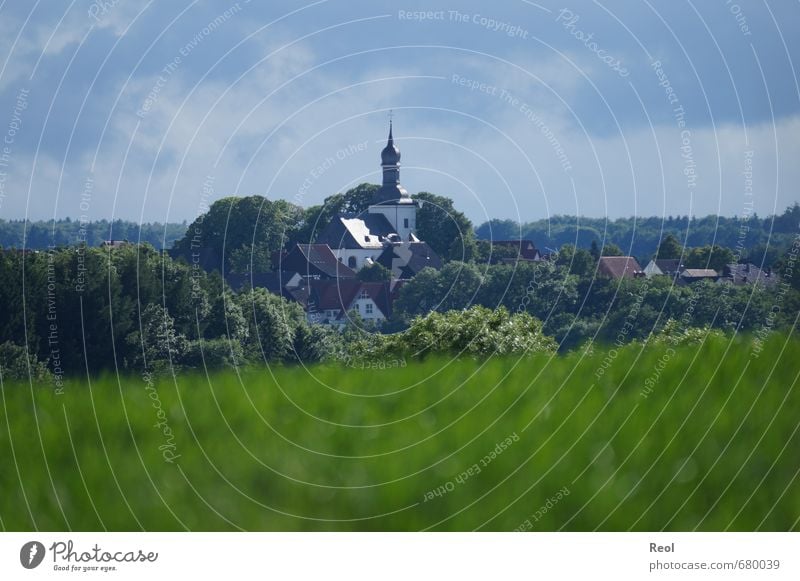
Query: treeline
[(134, 309), (575, 305), (254, 226), (43, 234), (763, 238)]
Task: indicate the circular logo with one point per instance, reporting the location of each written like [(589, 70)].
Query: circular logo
[(31, 554)]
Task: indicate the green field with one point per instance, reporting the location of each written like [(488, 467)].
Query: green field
[(539, 444)]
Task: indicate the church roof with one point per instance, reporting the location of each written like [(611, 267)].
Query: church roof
[(367, 231), (390, 154), (391, 192), (314, 260), (406, 260)]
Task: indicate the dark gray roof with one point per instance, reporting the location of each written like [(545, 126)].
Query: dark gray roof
[(391, 194), (406, 260), (315, 260), (668, 265), (748, 274)]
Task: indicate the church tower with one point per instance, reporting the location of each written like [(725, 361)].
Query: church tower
[(392, 200)]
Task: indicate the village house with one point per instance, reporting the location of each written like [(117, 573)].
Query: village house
[(330, 302), (692, 275), (663, 267), (513, 251), (741, 274), (619, 267)]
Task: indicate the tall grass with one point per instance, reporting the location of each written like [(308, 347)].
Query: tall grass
[(713, 445)]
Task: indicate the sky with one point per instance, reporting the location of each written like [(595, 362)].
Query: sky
[(150, 111)]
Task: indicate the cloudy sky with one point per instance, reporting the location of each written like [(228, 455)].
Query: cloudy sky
[(515, 109)]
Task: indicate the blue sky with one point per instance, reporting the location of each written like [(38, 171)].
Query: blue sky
[(515, 109)]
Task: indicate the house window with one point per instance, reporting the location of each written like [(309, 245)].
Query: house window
[(405, 222), (364, 294), (368, 308), (351, 262)]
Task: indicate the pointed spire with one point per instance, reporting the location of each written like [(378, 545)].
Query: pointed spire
[(391, 191)]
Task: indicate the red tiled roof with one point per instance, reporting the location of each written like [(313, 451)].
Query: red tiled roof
[(339, 295), (619, 266)]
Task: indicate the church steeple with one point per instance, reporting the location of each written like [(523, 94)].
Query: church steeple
[(391, 191)]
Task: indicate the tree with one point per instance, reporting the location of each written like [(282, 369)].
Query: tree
[(16, 364), (594, 250), (611, 249), (476, 331), (788, 222), (445, 229), (497, 229), (354, 201), (226, 319), (240, 234), (577, 260), (669, 247), (157, 346), (713, 257), (374, 272), (455, 286), (273, 325)]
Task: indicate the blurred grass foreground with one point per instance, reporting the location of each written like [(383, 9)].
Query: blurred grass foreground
[(683, 438)]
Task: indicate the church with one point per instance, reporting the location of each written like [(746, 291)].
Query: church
[(386, 232), (323, 276)]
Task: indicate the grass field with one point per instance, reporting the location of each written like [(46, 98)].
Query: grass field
[(696, 438)]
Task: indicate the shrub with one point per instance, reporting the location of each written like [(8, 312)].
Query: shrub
[(476, 331), (17, 365)]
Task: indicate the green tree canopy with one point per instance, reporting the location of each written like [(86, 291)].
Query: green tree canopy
[(476, 331), (354, 201), (445, 229), (374, 272), (241, 233), (714, 257), (669, 247)]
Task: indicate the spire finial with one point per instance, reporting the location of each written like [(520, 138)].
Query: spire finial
[(391, 115)]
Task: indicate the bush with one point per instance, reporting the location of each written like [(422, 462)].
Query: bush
[(476, 331), (673, 334), (17, 365)]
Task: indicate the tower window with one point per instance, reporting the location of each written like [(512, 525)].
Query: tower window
[(351, 262), (405, 222)]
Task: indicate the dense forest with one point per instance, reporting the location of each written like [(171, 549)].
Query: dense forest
[(762, 238), (42, 234)]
